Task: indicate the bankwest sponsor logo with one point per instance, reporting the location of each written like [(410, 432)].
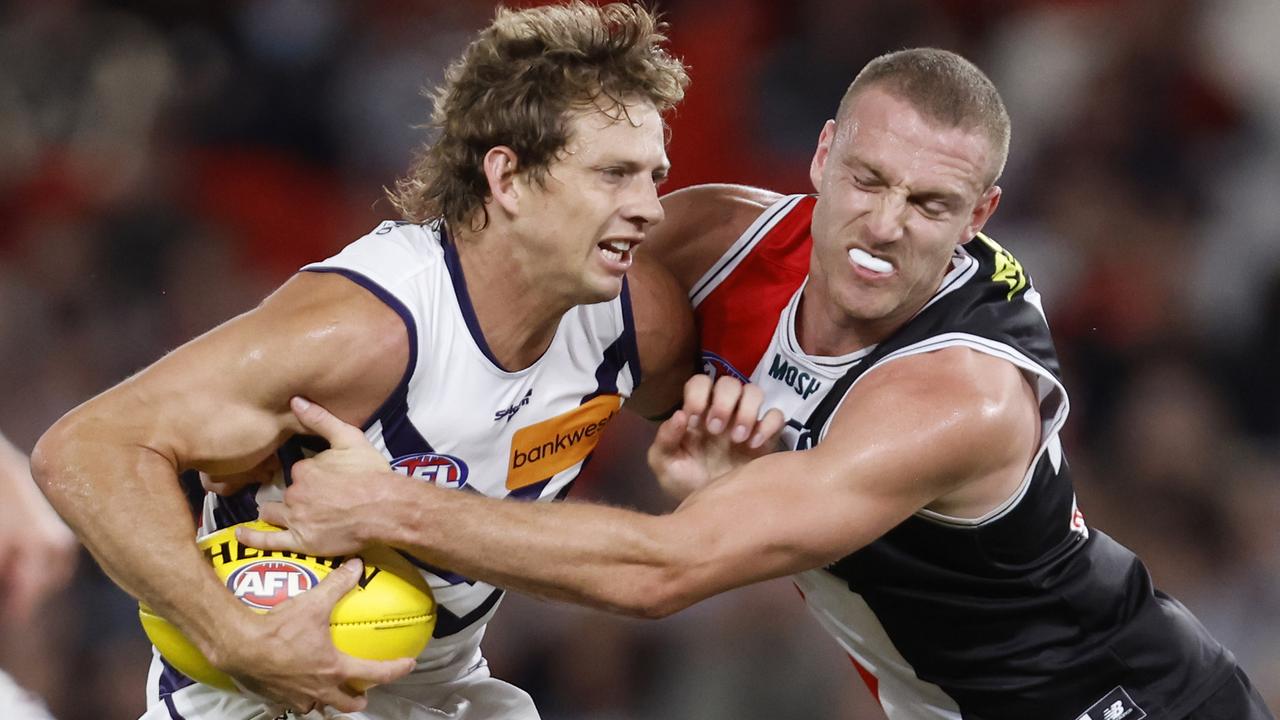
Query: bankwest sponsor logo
[(544, 449)]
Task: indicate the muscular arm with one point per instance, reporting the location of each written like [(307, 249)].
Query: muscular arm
[(911, 432), (701, 222), (218, 404), (664, 338)]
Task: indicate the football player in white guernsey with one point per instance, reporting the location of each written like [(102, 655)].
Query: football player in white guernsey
[(483, 344), (927, 512)]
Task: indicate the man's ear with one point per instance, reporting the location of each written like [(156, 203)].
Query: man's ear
[(982, 212), (500, 168), (825, 138)]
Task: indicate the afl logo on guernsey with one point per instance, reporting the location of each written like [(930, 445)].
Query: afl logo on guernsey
[(267, 583), (443, 470), (715, 366)]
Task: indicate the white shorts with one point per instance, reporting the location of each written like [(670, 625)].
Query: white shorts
[(18, 704), (474, 695)]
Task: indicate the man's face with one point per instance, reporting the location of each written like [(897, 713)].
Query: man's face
[(897, 193), (579, 231)]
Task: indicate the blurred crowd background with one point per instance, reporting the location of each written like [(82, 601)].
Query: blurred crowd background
[(165, 163)]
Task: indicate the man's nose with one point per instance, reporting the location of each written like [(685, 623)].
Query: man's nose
[(887, 217), (643, 208)]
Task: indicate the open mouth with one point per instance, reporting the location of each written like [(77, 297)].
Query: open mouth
[(869, 262), (617, 251)]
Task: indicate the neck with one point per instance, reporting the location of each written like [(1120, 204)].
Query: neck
[(823, 329), (517, 315)]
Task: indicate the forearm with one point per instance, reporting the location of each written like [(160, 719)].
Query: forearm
[(586, 554), (124, 503)]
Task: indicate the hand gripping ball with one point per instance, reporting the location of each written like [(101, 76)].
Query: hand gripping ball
[(390, 614)]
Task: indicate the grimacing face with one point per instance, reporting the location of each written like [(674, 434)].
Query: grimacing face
[(897, 193), (580, 228)]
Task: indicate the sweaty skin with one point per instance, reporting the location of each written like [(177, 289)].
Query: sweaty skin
[(220, 403), (911, 434)]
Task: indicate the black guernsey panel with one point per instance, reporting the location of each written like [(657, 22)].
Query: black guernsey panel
[(1029, 613)]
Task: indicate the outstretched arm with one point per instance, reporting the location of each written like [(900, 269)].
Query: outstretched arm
[(220, 404), (911, 432)]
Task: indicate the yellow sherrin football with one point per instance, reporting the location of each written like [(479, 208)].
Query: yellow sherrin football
[(390, 614)]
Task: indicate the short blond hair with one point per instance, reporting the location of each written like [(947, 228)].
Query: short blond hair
[(945, 88)]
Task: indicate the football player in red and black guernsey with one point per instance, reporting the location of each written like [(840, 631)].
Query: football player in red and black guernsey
[(925, 509)]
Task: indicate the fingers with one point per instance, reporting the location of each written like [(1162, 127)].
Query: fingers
[(273, 513), (725, 404), (269, 539), (343, 699), (724, 398), (325, 424), (768, 430), (697, 396), (748, 411), (367, 673), (336, 584), (670, 432)]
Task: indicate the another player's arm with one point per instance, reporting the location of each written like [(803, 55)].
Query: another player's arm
[(910, 432), (665, 338), (701, 222), (219, 404)]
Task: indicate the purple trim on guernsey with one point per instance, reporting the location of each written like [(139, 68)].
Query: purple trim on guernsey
[(622, 351), (398, 432), (630, 348), (171, 681), (173, 710), (391, 301), (454, 264)]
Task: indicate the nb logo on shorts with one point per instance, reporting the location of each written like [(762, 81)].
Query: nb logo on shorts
[(1115, 705)]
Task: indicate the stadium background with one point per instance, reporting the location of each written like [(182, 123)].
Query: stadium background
[(163, 165)]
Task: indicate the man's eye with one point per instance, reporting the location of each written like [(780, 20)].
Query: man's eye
[(614, 173), (933, 208)]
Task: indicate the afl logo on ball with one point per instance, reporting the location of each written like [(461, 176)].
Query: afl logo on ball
[(715, 366), (267, 583), (443, 470)]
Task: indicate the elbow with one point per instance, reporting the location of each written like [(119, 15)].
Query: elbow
[(58, 451), (48, 454)]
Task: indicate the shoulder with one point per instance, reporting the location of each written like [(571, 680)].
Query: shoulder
[(701, 222), (950, 403), (343, 341), (388, 254)]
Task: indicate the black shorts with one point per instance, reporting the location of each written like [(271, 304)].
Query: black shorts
[(1235, 700)]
